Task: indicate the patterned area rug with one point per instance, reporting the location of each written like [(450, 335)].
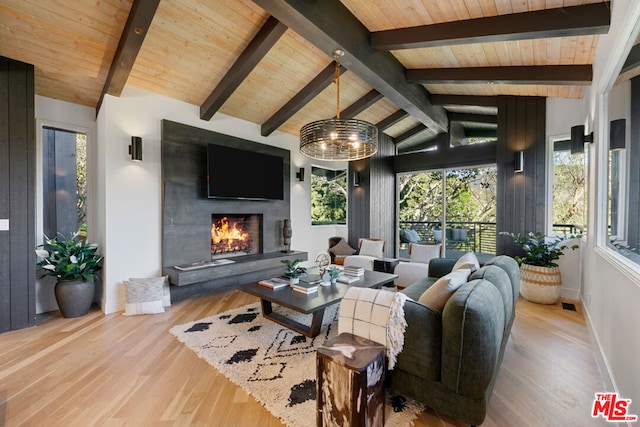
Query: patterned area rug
[(275, 365)]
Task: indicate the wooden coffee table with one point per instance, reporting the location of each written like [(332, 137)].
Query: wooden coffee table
[(313, 304)]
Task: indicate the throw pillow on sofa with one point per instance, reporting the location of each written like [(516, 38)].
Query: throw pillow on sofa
[(468, 260), (439, 293), (342, 248), (424, 253), (372, 248)]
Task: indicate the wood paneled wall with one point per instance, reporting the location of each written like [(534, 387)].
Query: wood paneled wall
[(521, 196), (371, 210), (17, 195)]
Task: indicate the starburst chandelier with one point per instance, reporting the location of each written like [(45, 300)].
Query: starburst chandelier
[(338, 139)]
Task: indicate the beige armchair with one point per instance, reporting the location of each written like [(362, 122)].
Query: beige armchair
[(368, 250), (418, 266)]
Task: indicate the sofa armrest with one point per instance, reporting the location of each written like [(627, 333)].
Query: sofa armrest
[(439, 267), (422, 342)]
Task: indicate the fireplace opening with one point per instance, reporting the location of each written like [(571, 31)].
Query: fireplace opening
[(235, 235)]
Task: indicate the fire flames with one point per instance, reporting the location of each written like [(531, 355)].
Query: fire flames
[(222, 234)]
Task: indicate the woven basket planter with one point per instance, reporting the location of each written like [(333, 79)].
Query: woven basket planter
[(540, 284)]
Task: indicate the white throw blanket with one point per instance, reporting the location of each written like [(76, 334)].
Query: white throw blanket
[(376, 315)]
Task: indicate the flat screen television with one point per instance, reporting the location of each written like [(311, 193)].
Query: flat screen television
[(234, 173)]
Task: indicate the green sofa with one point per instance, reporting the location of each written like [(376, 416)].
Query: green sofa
[(451, 359)]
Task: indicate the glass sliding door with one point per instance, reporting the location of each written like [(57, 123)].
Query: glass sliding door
[(455, 207), (470, 206), (420, 209)]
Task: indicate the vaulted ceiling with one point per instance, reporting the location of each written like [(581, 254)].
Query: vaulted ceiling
[(412, 67)]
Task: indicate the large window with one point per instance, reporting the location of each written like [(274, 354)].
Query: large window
[(64, 181), (459, 212), (328, 196), (623, 179), (568, 188)]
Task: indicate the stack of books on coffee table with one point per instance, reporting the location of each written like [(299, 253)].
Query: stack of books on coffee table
[(305, 288), (354, 271), (348, 278), (274, 283)]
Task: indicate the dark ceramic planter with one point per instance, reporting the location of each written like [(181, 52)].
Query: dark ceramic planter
[(74, 297)]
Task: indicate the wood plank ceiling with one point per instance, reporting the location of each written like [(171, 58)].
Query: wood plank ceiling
[(411, 66)]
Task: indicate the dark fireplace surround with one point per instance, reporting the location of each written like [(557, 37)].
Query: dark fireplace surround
[(188, 214)]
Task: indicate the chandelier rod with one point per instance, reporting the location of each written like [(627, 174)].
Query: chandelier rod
[(337, 54)]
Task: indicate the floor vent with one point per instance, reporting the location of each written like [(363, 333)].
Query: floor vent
[(569, 306)]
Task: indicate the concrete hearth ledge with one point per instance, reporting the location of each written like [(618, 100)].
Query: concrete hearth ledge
[(242, 265)]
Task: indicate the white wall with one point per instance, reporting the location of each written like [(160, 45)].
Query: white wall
[(68, 116), (131, 193), (611, 290), (564, 113)]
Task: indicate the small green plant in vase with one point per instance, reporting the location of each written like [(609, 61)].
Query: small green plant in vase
[(293, 270), (333, 274)]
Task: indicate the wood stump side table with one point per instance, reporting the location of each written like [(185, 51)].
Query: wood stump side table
[(350, 390)]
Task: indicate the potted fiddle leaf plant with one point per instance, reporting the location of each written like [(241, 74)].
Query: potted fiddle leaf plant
[(293, 270), (540, 278), (74, 263)]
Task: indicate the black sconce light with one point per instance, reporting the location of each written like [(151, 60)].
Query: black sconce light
[(578, 138), (300, 174), (617, 132), (356, 179), (518, 161), (135, 149)]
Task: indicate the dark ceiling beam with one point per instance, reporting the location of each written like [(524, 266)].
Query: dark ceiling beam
[(579, 75), (133, 34), (480, 132), (633, 59), (391, 120), (259, 46), (473, 118), (329, 25), (560, 22), (409, 133), (456, 134), (361, 104), (423, 145), (467, 100), (302, 98)]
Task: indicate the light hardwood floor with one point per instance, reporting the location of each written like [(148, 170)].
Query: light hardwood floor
[(128, 370)]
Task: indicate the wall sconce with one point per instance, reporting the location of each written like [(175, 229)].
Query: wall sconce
[(135, 149), (300, 175), (356, 179), (617, 130), (578, 138), (518, 162)]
